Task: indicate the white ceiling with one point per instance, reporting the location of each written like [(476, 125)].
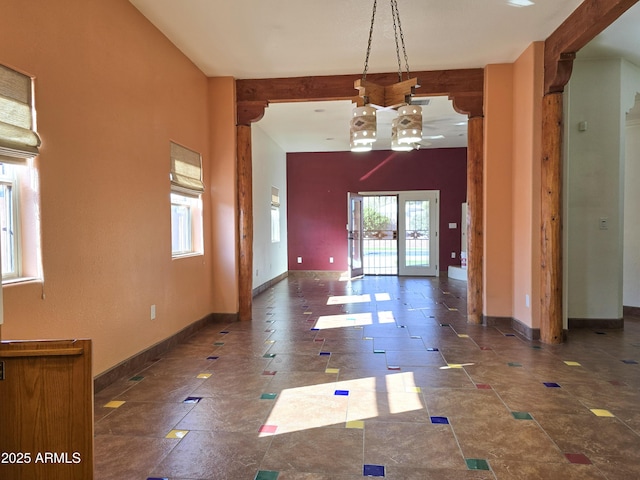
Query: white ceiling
[(291, 38)]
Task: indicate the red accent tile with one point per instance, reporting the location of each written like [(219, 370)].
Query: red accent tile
[(268, 372), (578, 458), (483, 386), (268, 429), (617, 383)]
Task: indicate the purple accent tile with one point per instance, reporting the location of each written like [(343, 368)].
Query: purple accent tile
[(314, 329), (509, 334), (630, 362), (224, 332), (394, 367), (268, 372), (192, 400), (344, 393), (212, 358), (325, 354), (157, 478), (485, 348), (432, 349), (578, 458), (551, 384), (373, 471), (617, 383), (440, 420), (483, 386)]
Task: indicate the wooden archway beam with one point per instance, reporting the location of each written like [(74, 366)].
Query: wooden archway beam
[(253, 95), (582, 26)]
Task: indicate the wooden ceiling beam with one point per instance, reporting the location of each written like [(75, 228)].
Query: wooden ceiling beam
[(586, 21)]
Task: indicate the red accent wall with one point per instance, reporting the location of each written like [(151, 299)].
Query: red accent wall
[(317, 186)]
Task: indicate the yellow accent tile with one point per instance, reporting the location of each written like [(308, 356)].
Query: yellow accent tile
[(463, 335), (573, 364), (355, 424), (332, 370), (454, 365), (367, 338), (204, 375), (177, 434), (308, 313), (453, 309), (114, 404), (602, 413), (270, 341), (413, 390)]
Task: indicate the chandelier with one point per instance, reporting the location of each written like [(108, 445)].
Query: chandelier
[(406, 128)]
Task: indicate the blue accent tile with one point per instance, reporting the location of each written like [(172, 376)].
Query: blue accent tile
[(212, 358), (551, 384), (268, 396), (599, 333), (444, 325), (315, 329), (224, 332), (343, 393), (630, 362), (440, 420), (192, 399), (325, 354), (373, 471), (157, 478), (509, 334), (432, 349)]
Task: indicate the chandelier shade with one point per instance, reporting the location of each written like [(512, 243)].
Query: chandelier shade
[(409, 124), (363, 129), (395, 145)]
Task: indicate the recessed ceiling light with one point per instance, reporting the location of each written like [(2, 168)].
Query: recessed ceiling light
[(329, 138), (520, 3), (434, 137), (319, 110), (459, 124)]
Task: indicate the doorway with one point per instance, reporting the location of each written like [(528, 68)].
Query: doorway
[(400, 233)]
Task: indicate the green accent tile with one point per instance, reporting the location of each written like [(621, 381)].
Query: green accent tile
[(268, 396), (514, 364), (379, 351), (218, 344), (137, 378), (266, 475), (522, 416), (269, 355), (476, 464)]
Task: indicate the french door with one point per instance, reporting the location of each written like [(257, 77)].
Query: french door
[(418, 220), (355, 236)]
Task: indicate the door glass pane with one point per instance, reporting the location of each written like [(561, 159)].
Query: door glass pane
[(380, 235), (417, 233), (356, 244)]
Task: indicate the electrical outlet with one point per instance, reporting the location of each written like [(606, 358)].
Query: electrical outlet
[(453, 254), (299, 259), (330, 259), (153, 312)]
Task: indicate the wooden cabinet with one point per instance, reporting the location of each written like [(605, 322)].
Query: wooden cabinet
[(46, 410)]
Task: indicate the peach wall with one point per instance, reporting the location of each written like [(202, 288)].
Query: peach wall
[(527, 106), (498, 197), (111, 92), (223, 188)]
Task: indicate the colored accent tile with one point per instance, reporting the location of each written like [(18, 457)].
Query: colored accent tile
[(630, 362), (522, 416), (598, 412), (444, 325), (551, 384), (514, 364), (476, 464), (578, 458), (393, 367), (402, 326), (212, 358), (440, 420), (416, 337), (223, 332), (157, 478), (344, 393), (332, 370), (509, 334), (268, 372), (617, 383), (599, 333), (307, 313), (269, 355), (454, 365), (270, 341), (432, 349), (355, 424), (413, 390), (114, 404), (268, 330), (268, 429), (483, 386), (373, 471), (137, 378), (485, 348), (379, 351), (453, 309), (177, 434), (314, 329), (325, 354), (318, 340), (204, 375), (192, 400), (572, 364), (267, 475), (218, 344), (536, 347), (463, 335), (268, 396)]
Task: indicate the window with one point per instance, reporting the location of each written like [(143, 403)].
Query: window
[(19, 212), (275, 215), (186, 201)]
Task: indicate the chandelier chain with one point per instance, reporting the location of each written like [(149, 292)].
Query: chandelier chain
[(404, 50), (366, 60), (394, 14)]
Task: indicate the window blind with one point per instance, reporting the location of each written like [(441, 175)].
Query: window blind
[(18, 139), (186, 170)]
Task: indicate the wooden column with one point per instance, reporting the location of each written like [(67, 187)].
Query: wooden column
[(551, 220), (245, 221), (475, 236)]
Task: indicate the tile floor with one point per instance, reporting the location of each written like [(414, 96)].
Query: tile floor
[(378, 377)]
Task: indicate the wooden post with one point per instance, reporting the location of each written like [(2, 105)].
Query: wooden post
[(475, 236), (551, 220), (245, 221)]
